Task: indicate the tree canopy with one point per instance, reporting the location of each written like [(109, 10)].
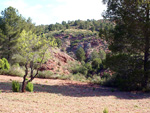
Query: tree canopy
[(10, 29), (131, 35)]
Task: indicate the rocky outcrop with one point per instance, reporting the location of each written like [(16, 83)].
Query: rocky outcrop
[(58, 64)]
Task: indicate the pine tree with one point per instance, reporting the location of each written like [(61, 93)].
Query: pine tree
[(10, 29), (80, 54), (132, 32)]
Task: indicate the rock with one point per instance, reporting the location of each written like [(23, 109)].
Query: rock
[(57, 63)]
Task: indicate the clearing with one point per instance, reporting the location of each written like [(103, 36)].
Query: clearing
[(64, 96)]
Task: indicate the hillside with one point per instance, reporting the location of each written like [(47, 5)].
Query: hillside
[(58, 63), (72, 35), (69, 41), (72, 39)]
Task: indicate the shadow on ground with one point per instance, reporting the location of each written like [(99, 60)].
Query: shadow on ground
[(75, 90)]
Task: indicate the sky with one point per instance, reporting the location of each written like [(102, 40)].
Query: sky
[(52, 11)]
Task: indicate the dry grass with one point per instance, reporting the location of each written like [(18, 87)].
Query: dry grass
[(64, 96)]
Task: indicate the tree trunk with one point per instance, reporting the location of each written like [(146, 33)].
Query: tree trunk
[(24, 78), (146, 52), (8, 49), (24, 85)]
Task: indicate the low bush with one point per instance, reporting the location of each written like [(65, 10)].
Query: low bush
[(78, 77), (127, 82), (95, 79), (106, 75), (105, 110), (96, 63), (4, 65), (14, 70), (45, 74), (15, 86), (29, 87)]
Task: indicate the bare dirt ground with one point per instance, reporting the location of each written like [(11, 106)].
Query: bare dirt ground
[(64, 96)]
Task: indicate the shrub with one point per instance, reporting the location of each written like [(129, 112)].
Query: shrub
[(80, 69), (105, 110), (66, 36), (95, 79), (78, 77), (59, 42), (1, 64), (106, 75), (80, 54), (96, 63), (15, 86), (45, 74), (88, 66), (102, 54), (29, 87), (128, 72), (83, 70), (14, 71), (94, 55), (4, 65)]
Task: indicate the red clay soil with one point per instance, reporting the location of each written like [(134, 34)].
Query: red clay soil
[(65, 96)]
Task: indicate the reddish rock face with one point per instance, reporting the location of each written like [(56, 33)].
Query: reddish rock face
[(58, 64), (63, 57)]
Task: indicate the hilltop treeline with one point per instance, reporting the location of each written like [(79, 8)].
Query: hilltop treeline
[(93, 25)]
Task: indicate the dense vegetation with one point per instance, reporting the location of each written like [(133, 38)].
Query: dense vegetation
[(93, 25), (129, 43)]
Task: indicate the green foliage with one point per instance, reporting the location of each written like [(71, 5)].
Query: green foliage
[(94, 55), (130, 36), (95, 79), (45, 74), (80, 69), (16, 70), (106, 75), (96, 63), (67, 26), (29, 87), (13, 71), (63, 23), (88, 66), (32, 47), (128, 73), (74, 43), (80, 54), (92, 28), (4, 65), (1, 64), (15, 86), (11, 28), (105, 110), (59, 42), (78, 77), (102, 54), (33, 51)]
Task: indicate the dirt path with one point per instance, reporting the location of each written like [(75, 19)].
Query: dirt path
[(64, 96)]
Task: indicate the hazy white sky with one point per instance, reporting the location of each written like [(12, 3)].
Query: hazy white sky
[(52, 11)]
